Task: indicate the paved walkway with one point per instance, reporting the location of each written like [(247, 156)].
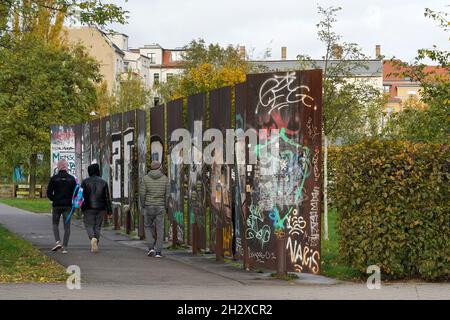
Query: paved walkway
[(121, 270)]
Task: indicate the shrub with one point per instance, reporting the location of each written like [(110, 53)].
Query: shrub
[(393, 205)]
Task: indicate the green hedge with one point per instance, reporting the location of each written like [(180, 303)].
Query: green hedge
[(393, 204)]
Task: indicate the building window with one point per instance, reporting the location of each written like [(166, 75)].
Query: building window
[(387, 89), (169, 76), (152, 58), (156, 78)]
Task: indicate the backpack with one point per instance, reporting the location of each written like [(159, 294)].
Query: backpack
[(77, 201)]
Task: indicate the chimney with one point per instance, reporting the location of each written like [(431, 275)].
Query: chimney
[(283, 53), (378, 51), (242, 52)]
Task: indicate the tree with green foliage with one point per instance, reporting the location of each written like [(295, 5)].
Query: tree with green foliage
[(42, 79), (352, 105), (131, 94), (432, 123), (41, 85)]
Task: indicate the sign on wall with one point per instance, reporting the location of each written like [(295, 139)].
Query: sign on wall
[(62, 147)]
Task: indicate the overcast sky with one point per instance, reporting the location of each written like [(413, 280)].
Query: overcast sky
[(399, 26)]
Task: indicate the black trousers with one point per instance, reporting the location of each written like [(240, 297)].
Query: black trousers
[(56, 217), (93, 220)]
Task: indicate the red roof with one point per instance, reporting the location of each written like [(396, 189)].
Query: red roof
[(391, 72), (167, 61)]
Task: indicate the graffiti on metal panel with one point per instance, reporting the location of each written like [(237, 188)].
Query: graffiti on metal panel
[(116, 166), (128, 146), (256, 229), (273, 97), (176, 199)]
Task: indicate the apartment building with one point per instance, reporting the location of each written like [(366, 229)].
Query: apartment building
[(163, 64), (100, 46), (399, 87)]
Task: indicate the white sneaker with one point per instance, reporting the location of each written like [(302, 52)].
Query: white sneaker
[(64, 251), (94, 247), (151, 252), (57, 247)]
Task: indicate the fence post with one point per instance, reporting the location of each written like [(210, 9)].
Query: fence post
[(116, 218), (281, 257), (194, 238), (219, 241), (174, 234)]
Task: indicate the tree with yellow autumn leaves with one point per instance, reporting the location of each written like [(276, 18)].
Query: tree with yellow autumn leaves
[(206, 67)]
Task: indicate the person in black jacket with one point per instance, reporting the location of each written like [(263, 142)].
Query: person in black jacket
[(96, 202), (60, 191)]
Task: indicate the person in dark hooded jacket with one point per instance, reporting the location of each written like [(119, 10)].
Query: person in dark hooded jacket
[(96, 202), (60, 191)]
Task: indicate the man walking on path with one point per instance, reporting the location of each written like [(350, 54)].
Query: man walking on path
[(96, 202), (60, 191), (154, 195)]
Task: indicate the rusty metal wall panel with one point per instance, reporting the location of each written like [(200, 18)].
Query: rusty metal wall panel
[(129, 144), (284, 197), (141, 121), (86, 150), (116, 159), (220, 179), (240, 94), (175, 172), (95, 141), (196, 191), (105, 149), (78, 151), (157, 133)]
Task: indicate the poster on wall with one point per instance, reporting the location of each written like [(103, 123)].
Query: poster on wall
[(62, 147), (284, 186)]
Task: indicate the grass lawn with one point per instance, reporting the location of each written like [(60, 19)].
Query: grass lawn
[(332, 266), (21, 262), (40, 205)]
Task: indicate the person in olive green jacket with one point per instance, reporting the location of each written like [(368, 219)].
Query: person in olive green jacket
[(154, 194)]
